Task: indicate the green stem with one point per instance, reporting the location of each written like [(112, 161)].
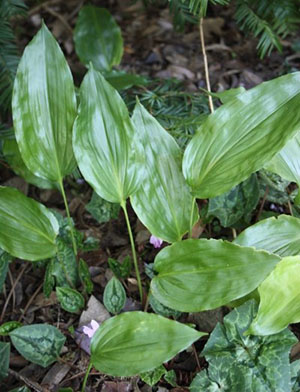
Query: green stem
[(68, 215), (123, 205), (191, 217), (86, 376)]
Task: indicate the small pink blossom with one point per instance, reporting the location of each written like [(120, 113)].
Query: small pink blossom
[(91, 331), (156, 242)]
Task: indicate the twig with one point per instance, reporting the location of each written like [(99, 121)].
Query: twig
[(11, 291), (196, 357), (32, 384), (60, 17), (36, 9), (290, 208), (262, 204), (210, 101), (30, 301)]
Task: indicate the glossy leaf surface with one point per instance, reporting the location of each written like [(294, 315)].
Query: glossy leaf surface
[(38, 343), (136, 342), (28, 229), (195, 275), (114, 296), (242, 135), (98, 38), (70, 300), (44, 108), (276, 235), (163, 203), (4, 359), (279, 298), (245, 363), (104, 140)]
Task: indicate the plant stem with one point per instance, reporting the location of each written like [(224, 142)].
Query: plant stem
[(191, 218), (86, 376), (123, 205), (68, 215)]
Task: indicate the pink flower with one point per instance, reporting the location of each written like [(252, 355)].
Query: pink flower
[(156, 242), (90, 331)]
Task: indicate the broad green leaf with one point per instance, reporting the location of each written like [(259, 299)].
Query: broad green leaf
[(136, 342), (98, 38), (163, 203), (239, 363), (195, 275), (235, 204), (242, 136), (114, 296), (38, 343), (287, 162), (102, 210), (44, 108), (279, 298), (276, 235), (68, 264), (85, 276), (28, 229), (151, 378), (4, 359), (12, 155), (9, 326), (5, 258), (70, 300), (103, 141)]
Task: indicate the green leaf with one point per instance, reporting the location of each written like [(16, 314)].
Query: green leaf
[(163, 203), (104, 141), (122, 80), (102, 210), (122, 269), (12, 155), (49, 280), (20, 389), (136, 342), (4, 359), (159, 308), (239, 138), (236, 204), (5, 258), (70, 300), (28, 229), (279, 298), (9, 326), (228, 95), (38, 343), (114, 296), (273, 187), (68, 265), (151, 378), (170, 377), (98, 38), (245, 363), (85, 276), (276, 235), (195, 275), (44, 108)]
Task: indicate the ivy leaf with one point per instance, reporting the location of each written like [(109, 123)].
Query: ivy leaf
[(151, 378), (102, 210), (245, 363), (114, 296), (38, 343), (4, 359), (70, 300)]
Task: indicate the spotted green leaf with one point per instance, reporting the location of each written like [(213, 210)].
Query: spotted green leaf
[(242, 136), (4, 359), (38, 343), (114, 296), (276, 235), (104, 141), (245, 363), (49, 280), (44, 108), (161, 309), (85, 276), (28, 229), (65, 265), (121, 269), (279, 298), (70, 300), (9, 326), (163, 203), (151, 378), (195, 275), (98, 38), (102, 210), (136, 342)]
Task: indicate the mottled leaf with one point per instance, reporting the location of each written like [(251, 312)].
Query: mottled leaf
[(28, 229), (114, 296), (70, 300), (5, 258), (195, 275), (9, 326), (98, 38), (67, 262), (104, 141), (44, 108), (163, 203), (49, 280), (85, 276), (276, 235), (239, 137), (151, 378), (122, 269), (102, 210), (38, 343), (161, 309), (136, 342), (4, 359)]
